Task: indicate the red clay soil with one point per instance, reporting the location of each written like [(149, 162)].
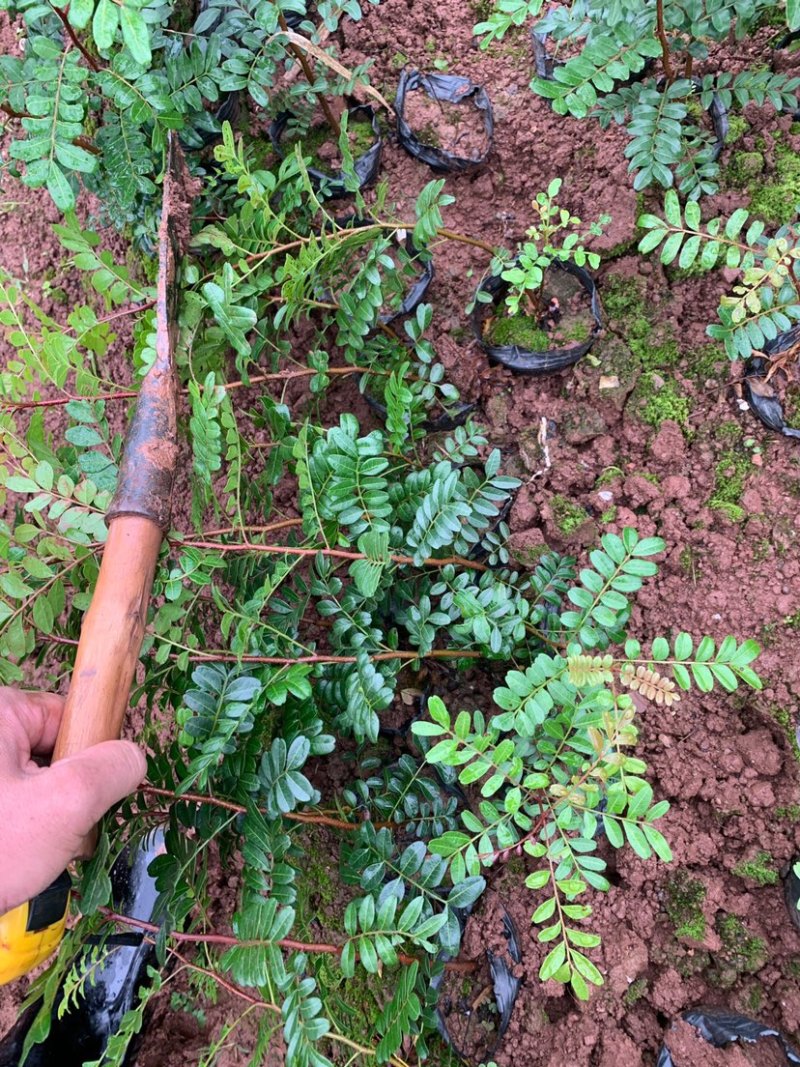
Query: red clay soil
[(728, 765)]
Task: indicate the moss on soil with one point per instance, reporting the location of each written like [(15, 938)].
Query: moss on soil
[(775, 201), (741, 953), (737, 125), (361, 135), (784, 718), (609, 515), (688, 561), (624, 301), (729, 431), (353, 1004), (684, 898), (635, 991), (568, 516), (743, 169), (610, 474), (429, 135), (521, 330), (754, 999), (758, 869), (729, 478), (790, 813), (668, 402)]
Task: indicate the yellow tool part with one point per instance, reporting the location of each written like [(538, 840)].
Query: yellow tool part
[(33, 931)]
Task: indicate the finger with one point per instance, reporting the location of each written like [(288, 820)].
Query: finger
[(89, 783), (29, 723)]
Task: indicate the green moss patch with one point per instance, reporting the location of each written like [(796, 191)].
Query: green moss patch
[(568, 517), (521, 330), (737, 125), (759, 869), (743, 169), (660, 404), (729, 480), (776, 201), (741, 953), (626, 304), (785, 719), (684, 898), (360, 134), (525, 332)]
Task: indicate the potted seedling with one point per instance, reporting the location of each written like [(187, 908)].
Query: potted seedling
[(325, 140), (540, 312)]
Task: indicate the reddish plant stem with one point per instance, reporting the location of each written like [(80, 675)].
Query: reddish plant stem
[(230, 986), (278, 376), (661, 33), (288, 661), (335, 553), (87, 145), (311, 947), (12, 114), (281, 525), (61, 401), (230, 805), (75, 39)]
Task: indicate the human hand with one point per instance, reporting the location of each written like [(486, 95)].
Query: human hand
[(45, 812)]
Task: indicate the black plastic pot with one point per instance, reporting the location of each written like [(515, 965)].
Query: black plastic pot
[(791, 893), (721, 1028), (505, 986), (366, 166), (545, 64), (449, 89), (82, 1033), (418, 287), (522, 360), (416, 291), (759, 394)]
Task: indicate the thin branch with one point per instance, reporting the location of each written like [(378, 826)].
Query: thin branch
[(76, 41), (308, 72), (229, 805), (661, 33), (335, 553), (269, 528), (128, 394), (218, 656), (226, 940)]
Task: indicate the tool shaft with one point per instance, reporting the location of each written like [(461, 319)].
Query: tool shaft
[(113, 629), (111, 637)]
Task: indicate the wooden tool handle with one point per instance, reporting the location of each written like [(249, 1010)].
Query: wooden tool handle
[(113, 629), (111, 639)]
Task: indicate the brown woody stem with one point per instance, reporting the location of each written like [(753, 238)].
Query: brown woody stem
[(334, 553), (76, 40), (308, 72), (463, 966), (218, 656), (229, 805), (661, 33)]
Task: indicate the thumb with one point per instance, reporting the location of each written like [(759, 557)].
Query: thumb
[(88, 783)]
